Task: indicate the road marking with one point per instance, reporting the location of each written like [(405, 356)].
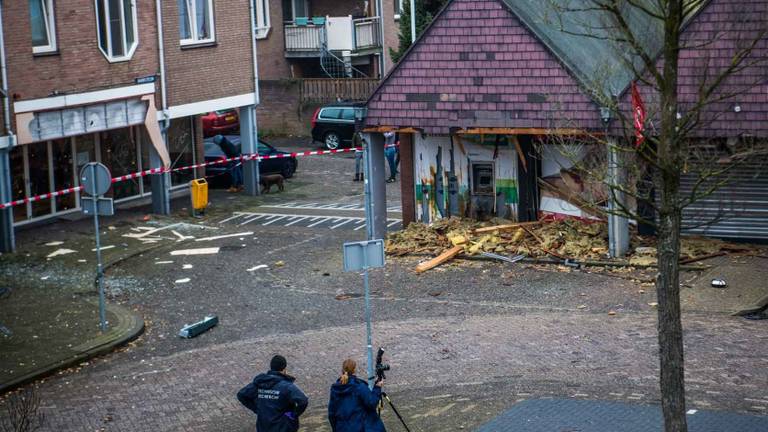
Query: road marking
[(273, 220), (318, 222), (242, 234), (361, 226), (251, 220), (201, 251), (392, 223), (296, 221), (468, 408), (342, 223)]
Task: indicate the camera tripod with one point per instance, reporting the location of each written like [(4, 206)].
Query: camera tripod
[(384, 397)]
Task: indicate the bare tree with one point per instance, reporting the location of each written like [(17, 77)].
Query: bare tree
[(672, 144), (22, 411)]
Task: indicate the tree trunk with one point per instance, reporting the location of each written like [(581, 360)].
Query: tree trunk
[(671, 155)]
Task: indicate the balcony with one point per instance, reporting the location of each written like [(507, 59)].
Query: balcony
[(306, 37)]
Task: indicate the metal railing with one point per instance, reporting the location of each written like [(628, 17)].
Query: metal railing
[(367, 34), (308, 37)]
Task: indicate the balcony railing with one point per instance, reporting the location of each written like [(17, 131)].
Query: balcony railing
[(309, 36)]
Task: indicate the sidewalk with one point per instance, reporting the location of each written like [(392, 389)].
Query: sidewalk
[(547, 415)]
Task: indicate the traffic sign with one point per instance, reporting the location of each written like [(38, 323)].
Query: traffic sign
[(363, 255), (95, 178)]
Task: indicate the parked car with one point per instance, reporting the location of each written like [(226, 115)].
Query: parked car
[(334, 124), (220, 122), (220, 173)]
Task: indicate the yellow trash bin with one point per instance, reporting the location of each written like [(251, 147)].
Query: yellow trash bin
[(198, 189)]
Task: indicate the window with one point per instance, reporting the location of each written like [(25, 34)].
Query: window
[(196, 21), (43, 26), (348, 114), (116, 27), (331, 113), (262, 19)]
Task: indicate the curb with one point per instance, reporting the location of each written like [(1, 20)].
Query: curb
[(755, 307), (129, 327)]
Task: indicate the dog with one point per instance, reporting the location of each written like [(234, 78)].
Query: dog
[(267, 181)]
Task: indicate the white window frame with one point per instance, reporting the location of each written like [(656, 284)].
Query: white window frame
[(193, 24), (263, 24), (50, 27), (129, 51)]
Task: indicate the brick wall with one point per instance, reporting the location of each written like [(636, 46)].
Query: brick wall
[(280, 112), (79, 65), (271, 50), (391, 31), (222, 69)]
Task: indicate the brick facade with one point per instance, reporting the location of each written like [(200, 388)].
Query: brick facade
[(79, 65), (213, 71), (271, 50)]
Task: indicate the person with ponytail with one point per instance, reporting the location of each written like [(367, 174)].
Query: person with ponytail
[(352, 406)]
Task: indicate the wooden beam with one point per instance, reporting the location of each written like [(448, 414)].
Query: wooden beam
[(504, 227), (573, 199), (520, 153), (440, 259), (382, 129), (527, 131)]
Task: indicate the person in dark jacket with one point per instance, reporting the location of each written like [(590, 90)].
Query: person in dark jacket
[(352, 407), (236, 166), (275, 399)]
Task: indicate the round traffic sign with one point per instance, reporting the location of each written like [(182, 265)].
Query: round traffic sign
[(95, 178)]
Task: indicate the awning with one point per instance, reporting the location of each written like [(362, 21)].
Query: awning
[(71, 115)]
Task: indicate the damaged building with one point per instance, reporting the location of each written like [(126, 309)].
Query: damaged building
[(495, 103)]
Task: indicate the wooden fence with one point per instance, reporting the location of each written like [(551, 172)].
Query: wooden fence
[(322, 90)]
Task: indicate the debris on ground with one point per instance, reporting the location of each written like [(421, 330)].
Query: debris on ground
[(569, 241), (59, 252), (258, 267), (199, 251), (192, 330)]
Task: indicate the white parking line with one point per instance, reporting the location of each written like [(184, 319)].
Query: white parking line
[(251, 220), (296, 221), (361, 226), (342, 223), (392, 223), (273, 220), (318, 222), (233, 217)]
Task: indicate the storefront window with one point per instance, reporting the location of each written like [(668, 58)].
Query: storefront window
[(181, 144), (39, 177), (119, 154), (17, 182), (63, 173)]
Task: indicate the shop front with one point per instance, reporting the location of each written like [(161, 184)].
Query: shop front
[(117, 127)]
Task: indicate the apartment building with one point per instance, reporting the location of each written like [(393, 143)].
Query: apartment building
[(313, 51), (120, 82)]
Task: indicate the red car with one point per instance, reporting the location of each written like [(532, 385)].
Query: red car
[(220, 122)]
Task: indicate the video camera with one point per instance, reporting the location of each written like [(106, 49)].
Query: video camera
[(381, 367)]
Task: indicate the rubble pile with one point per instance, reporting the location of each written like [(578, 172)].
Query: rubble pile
[(570, 238)]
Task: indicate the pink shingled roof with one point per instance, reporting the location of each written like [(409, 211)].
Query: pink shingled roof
[(723, 28), (479, 66)]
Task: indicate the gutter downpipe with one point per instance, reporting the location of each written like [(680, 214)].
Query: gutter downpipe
[(382, 60), (161, 186), (256, 95), (7, 236)]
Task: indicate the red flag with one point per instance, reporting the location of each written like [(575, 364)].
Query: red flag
[(638, 115)]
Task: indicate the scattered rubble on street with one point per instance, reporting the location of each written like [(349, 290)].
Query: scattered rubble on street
[(571, 242)]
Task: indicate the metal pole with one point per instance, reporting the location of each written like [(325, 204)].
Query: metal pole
[(99, 272), (367, 187), (413, 22), (368, 331)]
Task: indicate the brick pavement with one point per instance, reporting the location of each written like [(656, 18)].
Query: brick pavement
[(579, 355)]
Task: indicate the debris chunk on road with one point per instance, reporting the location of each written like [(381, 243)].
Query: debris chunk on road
[(199, 251), (59, 252), (258, 267), (183, 280), (192, 330), (55, 243), (445, 256)]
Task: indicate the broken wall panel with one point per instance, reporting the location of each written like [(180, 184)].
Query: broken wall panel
[(443, 168)]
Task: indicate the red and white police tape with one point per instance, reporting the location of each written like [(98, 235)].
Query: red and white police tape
[(144, 173)]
